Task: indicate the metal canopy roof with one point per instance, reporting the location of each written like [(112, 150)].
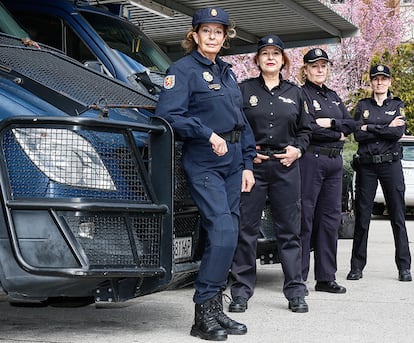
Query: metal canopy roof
[(296, 22)]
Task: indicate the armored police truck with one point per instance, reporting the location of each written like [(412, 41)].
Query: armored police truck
[(91, 200), (110, 44)]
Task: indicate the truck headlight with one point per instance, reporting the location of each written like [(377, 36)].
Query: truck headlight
[(64, 157)]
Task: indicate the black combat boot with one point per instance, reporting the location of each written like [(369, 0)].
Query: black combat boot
[(206, 325), (232, 327)]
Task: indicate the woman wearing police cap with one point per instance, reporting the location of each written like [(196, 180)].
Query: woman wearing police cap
[(321, 172), (380, 124), (202, 101), (276, 111)]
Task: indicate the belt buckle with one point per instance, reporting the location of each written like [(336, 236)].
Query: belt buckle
[(376, 159)]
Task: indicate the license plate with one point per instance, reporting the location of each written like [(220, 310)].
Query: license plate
[(183, 248)]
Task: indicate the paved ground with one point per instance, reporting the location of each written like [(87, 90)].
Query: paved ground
[(377, 308)]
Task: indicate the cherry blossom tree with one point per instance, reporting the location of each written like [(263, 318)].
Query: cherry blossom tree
[(381, 28)]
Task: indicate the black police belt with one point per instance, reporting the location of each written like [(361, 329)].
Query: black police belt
[(331, 152), (376, 159), (270, 150), (231, 136)]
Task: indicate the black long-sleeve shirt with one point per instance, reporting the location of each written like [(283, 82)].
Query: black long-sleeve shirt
[(324, 102), (379, 138), (277, 116)]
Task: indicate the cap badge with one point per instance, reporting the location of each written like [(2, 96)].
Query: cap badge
[(365, 114), (207, 76), (213, 12), (380, 68), (318, 52), (270, 40), (169, 81), (253, 100)]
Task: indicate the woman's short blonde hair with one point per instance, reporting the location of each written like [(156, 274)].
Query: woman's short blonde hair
[(302, 74), (190, 45)]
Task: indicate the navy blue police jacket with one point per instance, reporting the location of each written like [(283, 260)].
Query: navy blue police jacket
[(324, 102), (200, 97), (277, 116), (379, 138)]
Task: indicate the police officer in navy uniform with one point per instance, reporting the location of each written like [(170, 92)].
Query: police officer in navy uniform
[(275, 109), (380, 124), (321, 172), (202, 101)]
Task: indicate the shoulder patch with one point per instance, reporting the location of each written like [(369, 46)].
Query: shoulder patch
[(169, 81)]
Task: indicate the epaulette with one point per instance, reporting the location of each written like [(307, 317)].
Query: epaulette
[(396, 98)]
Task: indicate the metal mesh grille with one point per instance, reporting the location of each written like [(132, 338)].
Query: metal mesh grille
[(70, 78), (106, 240), (8, 40), (147, 237), (267, 227), (60, 163), (186, 224), (182, 194)]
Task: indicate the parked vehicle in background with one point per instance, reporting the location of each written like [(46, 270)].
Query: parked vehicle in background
[(407, 161), (96, 36)]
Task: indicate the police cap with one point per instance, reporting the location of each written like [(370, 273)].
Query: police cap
[(270, 40), (314, 55), (379, 69), (211, 15)]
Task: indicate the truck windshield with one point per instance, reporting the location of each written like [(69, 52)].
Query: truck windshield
[(9, 25), (128, 39)]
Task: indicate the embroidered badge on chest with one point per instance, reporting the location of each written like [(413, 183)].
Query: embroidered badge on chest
[(316, 105), (169, 81), (214, 86), (253, 100), (390, 113), (207, 76), (365, 114), (287, 100)]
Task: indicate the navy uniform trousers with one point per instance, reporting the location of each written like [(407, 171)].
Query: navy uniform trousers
[(282, 187), (321, 213), (391, 178), (215, 185)]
